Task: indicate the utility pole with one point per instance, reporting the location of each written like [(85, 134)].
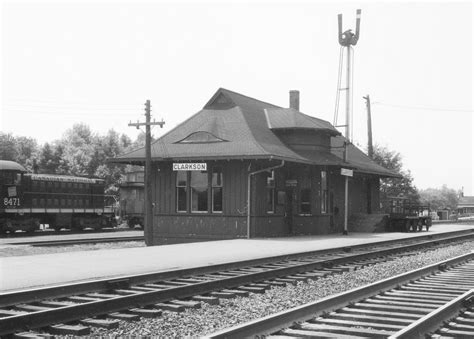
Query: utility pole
[(370, 147), (148, 227)]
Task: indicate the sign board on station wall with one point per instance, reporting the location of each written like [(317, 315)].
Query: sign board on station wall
[(190, 166), (347, 172)]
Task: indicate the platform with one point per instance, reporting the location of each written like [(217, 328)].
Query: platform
[(24, 272)]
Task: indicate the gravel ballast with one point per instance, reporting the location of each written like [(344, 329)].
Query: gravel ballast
[(230, 312)]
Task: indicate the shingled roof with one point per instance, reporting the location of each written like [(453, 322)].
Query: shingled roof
[(466, 201), (235, 126)]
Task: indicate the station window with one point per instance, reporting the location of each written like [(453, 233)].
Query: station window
[(324, 192), (305, 201), (270, 192), (205, 191), (181, 191), (217, 182), (199, 191)]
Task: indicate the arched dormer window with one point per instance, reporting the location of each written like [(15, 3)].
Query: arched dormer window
[(200, 137)]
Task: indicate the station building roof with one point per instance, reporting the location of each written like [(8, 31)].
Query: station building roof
[(466, 201), (235, 126)]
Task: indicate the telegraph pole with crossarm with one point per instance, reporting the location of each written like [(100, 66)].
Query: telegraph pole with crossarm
[(148, 184)]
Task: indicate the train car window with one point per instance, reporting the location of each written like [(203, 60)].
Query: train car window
[(42, 202), (69, 202), (63, 202), (181, 191), (69, 185), (140, 194), (63, 184), (49, 202), (42, 185), (217, 182), (18, 179), (81, 203), (87, 202), (199, 191), (57, 184), (56, 202), (140, 177), (34, 202)]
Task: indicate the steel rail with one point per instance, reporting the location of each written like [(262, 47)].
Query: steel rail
[(68, 313), (431, 321), (68, 242), (276, 322), (64, 290)]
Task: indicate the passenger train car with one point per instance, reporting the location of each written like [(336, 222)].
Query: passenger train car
[(132, 200), (28, 200)]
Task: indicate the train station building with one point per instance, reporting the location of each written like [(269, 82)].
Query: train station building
[(244, 168)]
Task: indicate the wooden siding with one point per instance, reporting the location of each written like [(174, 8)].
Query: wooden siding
[(170, 226)]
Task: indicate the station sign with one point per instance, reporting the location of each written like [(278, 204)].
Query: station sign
[(190, 166), (347, 172), (291, 183)]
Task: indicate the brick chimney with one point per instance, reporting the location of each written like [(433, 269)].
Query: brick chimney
[(295, 100)]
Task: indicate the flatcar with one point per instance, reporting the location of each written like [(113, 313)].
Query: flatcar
[(132, 201), (29, 200)]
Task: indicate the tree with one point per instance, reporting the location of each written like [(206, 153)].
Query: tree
[(395, 187), (8, 150), (440, 198), (22, 150)]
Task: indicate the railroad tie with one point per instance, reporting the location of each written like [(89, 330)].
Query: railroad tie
[(103, 323), (260, 290), (146, 312), (123, 316), (69, 329), (29, 335), (222, 295), (170, 307), (207, 299), (237, 292), (187, 303)]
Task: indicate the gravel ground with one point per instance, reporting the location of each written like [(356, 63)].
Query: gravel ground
[(11, 250), (208, 319)]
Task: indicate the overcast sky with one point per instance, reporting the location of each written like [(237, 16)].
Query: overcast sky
[(98, 62)]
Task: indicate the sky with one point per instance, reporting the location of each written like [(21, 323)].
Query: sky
[(67, 62)]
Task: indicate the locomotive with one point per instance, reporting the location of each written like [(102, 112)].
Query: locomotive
[(29, 200)]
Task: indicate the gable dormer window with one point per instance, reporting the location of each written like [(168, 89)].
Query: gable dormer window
[(200, 137)]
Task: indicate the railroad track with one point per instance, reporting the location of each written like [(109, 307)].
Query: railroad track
[(41, 233), (411, 305), (69, 242), (149, 294)]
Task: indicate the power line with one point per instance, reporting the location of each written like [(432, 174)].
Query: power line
[(423, 108)]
